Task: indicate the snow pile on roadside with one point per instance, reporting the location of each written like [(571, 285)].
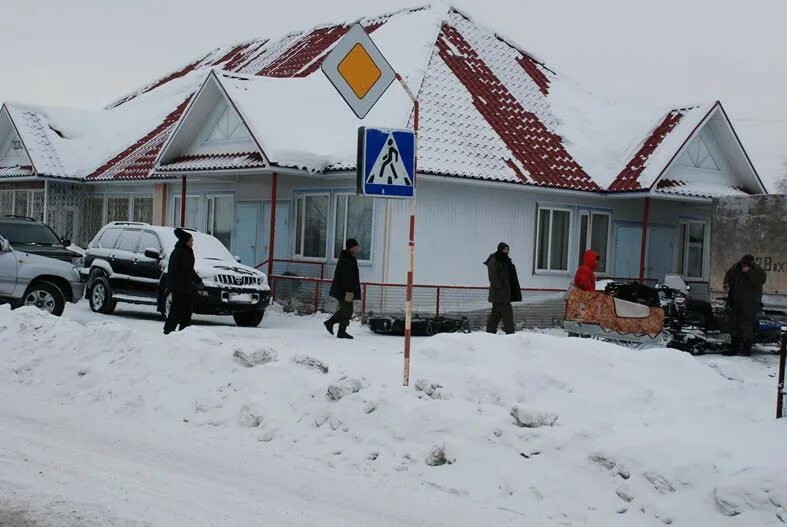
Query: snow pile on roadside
[(552, 429)]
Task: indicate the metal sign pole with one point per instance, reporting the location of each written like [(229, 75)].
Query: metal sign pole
[(780, 379), (408, 321)]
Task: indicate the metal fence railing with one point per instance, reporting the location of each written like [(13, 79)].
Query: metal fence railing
[(303, 287)]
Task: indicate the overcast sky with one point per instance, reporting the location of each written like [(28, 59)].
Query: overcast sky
[(86, 53)]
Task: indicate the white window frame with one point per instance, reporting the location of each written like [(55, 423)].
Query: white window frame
[(335, 204), (298, 251), (241, 126), (175, 211), (682, 266), (211, 197), (590, 213), (552, 208)]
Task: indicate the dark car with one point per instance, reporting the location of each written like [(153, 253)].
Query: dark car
[(31, 236), (127, 262)]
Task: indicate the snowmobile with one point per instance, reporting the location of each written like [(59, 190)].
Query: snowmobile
[(688, 324), (698, 326), (628, 321)]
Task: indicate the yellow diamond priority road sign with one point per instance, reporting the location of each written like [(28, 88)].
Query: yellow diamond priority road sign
[(358, 71)]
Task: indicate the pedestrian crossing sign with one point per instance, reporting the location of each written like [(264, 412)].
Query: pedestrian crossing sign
[(386, 162)]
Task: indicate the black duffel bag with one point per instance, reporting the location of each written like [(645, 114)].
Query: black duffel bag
[(421, 327)]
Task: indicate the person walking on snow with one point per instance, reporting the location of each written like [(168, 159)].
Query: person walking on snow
[(346, 288), (503, 289), (743, 283), (181, 282), (585, 278)]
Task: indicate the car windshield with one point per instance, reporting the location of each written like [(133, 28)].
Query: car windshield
[(28, 233), (206, 247)]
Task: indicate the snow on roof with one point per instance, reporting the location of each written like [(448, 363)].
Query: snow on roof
[(660, 146), (698, 189), (214, 162), (488, 111), (16, 171), (303, 122)]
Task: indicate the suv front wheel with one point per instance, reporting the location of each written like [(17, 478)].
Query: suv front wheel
[(100, 296), (46, 296), (249, 319)]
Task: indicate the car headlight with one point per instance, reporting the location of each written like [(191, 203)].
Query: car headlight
[(78, 261)]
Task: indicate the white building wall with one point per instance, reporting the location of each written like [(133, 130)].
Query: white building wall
[(458, 225)]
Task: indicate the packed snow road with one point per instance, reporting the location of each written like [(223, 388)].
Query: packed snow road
[(107, 422)]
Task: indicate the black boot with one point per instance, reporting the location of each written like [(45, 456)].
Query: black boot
[(343, 334), (746, 348), (329, 326)]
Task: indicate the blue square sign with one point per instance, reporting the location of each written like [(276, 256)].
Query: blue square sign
[(386, 162)]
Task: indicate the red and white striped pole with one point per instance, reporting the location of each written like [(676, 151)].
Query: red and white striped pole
[(408, 321)]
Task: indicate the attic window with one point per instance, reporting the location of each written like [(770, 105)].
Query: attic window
[(16, 144), (58, 132)]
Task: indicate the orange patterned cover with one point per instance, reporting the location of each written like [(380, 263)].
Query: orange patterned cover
[(592, 307)]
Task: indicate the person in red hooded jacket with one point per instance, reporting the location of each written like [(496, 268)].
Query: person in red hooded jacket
[(585, 278)]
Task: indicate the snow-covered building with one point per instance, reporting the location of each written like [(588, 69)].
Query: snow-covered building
[(508, 150)]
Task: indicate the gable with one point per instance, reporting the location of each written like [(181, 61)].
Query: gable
[(12, 150), (712, 162), (211, 126)]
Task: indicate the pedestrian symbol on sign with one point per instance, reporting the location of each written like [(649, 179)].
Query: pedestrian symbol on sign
[(386, 162)]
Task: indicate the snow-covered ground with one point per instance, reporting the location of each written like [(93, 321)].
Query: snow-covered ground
[(107, 422)]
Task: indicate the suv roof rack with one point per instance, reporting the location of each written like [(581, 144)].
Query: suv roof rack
[(134, 223), (17, 217)]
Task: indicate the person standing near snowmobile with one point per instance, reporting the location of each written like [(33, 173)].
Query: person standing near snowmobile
[(181, 282), (743, 283), (503, 289), (585, 277), (346, 288)]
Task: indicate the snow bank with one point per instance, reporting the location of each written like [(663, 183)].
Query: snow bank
[(554, 430)]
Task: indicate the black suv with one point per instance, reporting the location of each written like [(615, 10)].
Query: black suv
[(31, 236), (127, 262)]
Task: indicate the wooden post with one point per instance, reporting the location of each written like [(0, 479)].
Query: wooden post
[(183, 201), (437, 304), (643, 248), (780, 380), (272, 238), (408, 321)]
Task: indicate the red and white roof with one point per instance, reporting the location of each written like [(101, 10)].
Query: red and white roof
[(488, 111)]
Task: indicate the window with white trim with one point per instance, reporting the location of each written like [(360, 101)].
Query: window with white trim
[(192, 212), (354, 218), (594, 229), (691, 249), (311, 225), (552, 241), (118, 209), (220, 212)]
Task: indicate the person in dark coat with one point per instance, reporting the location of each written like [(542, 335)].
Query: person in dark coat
[(182, 279), (743, 283), (503, 289), (346, 289)]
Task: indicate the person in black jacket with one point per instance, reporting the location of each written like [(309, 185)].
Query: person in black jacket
[(181, 282), (744, 283), (346, 288), (503, 289)]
